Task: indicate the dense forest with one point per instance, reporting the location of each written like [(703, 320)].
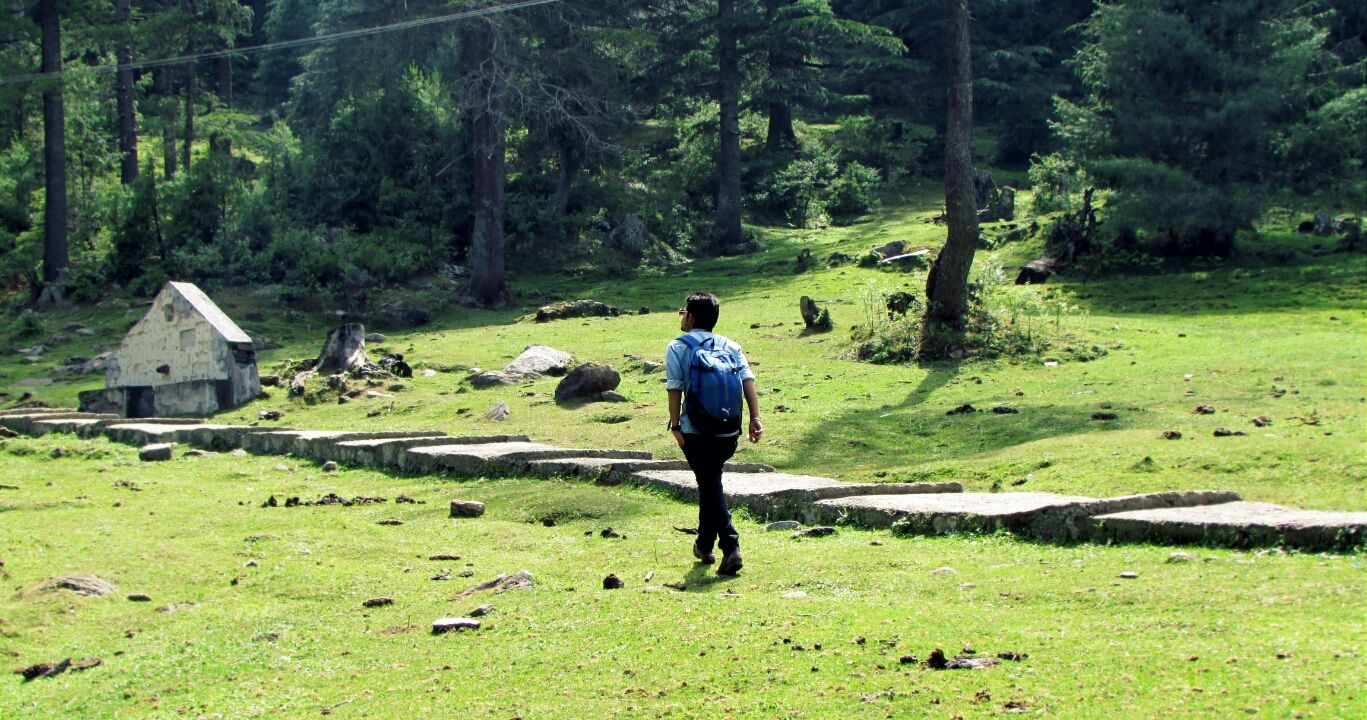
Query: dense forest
[(335, 148)]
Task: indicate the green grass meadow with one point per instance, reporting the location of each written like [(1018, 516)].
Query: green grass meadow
[(1227, 634)]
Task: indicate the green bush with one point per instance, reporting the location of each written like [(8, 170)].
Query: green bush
[(1057, 183)]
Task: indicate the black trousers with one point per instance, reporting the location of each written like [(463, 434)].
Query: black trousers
[(706, 455)]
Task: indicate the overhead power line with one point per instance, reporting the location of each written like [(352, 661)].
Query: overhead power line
[(299, 42)]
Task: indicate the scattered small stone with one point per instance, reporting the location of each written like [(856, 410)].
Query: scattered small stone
[(1005, 410), (1020, 481), (269, 415), (937, 660), (196, 452), (1128, 575), (678, 585), (876, 543), (374, 337), (378, 602), (88, 585), (1172, 435), (251, 563), (466, 573), (1262, 421), (444, 625), (943, 571), (783, 525), (405, 500), (1226, 432), (819, 531), (9, 487), (329, 466), (860, 640), (1104, 416), (612, 582), (1181, 557), (498, 413), (481, 611), (140, 597), (177, 606), (443, 556), (1204, 410), (1013, 656), (548, 521), (389, 521), (962, 410), (57, 453), (156, 452), (610, 533), (794, 595), (687, 531), (466, 508)]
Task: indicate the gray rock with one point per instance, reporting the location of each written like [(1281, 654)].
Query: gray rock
[(586, 381), (494, 378), (783, 525), (466, 508), (374, 338), (81, 584), (540, 360), (612, 396), (896, 247), (577, 308), (481, 611), (1181, 557), (649, 367), (329, 466), (156, 452), (498, 413), (443, 625)]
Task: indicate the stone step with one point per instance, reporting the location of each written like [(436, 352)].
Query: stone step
[(612, 471), (33, 411), (507, 458), (780, 496), (320, 448), (385, 451), (937, 514), (1236, 524)]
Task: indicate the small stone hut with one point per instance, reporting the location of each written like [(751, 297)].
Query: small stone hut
[(184, 357)]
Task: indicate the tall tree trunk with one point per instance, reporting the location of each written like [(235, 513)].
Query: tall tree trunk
[(54, 152), (223, 79), (728, 231), (947, 285), (781, 135), (166, 86), (128, 129), (488, 286), (564, 179), (189, 139), (782, 60)]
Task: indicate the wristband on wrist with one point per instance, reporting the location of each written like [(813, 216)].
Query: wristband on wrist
[(675, 427)]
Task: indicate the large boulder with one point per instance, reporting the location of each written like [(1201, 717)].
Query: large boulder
[(1035, 272), (576, 308), (540, 360), (491, 378), (587, 381)]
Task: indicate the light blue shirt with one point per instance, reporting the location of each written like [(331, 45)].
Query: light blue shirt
[(678, 357)]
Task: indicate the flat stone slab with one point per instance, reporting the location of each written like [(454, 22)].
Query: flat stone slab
[(937, 514), (205, 435), (313, 444), (776, 494), (612, 471), (507, 458), (70, 426), (386, 451), (24, 422), (1237, 524)]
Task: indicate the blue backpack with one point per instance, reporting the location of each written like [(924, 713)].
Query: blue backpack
[(713, 397)]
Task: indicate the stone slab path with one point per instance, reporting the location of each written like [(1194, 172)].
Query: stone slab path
[(1237, 524), (1198, 516)]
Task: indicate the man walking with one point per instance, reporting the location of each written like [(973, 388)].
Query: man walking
[(706, 375)]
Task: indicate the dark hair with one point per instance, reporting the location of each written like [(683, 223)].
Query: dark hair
[(704, 308)]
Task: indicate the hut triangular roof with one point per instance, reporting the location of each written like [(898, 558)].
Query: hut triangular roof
[(211, 312)]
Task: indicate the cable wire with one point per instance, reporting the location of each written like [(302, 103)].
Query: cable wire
[(298, 42)]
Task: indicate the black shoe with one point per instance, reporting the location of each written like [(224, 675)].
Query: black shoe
[(730, 563), (705, 558)]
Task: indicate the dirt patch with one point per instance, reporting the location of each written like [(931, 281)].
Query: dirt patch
[(328, 499)]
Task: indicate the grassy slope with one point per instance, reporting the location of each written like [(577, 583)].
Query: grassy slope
[(291, 638), (1238, 331)]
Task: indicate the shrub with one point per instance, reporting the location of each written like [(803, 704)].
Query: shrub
[(1057, 183)]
